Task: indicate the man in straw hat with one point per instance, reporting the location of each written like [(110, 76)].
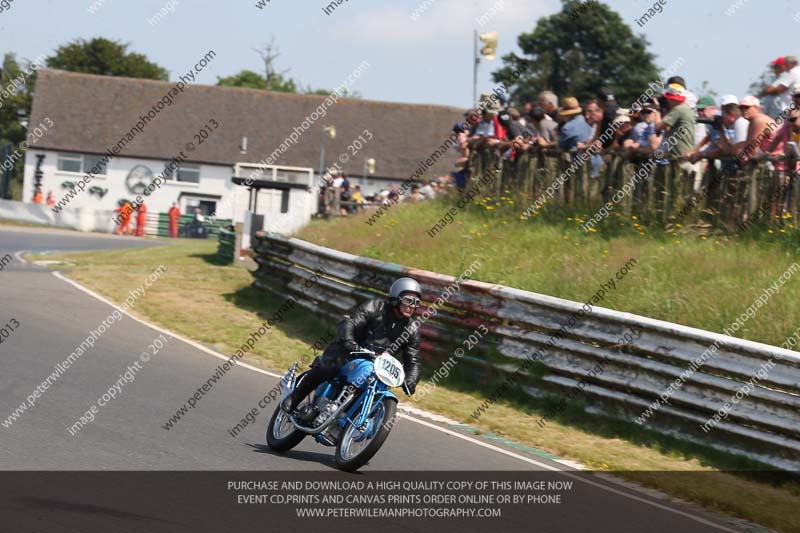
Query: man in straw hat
[(574, 129)]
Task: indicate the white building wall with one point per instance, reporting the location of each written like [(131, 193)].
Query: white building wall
[(302, 205), (215, 180)]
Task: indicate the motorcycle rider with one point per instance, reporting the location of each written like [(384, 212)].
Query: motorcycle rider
[(378, 322)]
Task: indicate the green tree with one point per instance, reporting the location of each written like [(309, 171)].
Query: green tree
[(576, 52), (106, 58), (327, 92), (281, 84), (245, 78), (16, 90), (254, 80), (271, 79), (15, 99), (98, 56)]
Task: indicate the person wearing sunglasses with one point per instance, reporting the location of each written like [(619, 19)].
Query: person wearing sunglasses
[(760, 132), (378, 324)]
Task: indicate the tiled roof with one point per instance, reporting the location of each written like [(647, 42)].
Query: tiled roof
[(92, 113)]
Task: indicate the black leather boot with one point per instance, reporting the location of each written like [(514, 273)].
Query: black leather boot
[(303, 389), (287, 405)]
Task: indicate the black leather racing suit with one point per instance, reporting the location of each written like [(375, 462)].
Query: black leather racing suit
[(374, 325)]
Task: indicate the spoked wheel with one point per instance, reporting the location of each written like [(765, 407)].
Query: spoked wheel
[(357, 446), (281, 433)]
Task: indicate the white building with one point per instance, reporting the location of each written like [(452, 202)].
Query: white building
[(113, 137)]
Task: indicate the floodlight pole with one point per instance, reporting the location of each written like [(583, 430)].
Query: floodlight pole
[(477, 61)]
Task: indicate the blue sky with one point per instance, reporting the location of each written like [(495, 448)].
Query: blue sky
[(427, 60)]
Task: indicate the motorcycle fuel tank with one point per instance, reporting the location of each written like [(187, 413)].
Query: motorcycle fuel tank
[(357, 372)]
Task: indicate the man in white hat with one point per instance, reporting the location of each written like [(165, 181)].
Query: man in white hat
[(726, 138), (732, 119)]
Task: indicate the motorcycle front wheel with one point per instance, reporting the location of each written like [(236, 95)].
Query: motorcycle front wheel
[(281, 433), (355, 447)]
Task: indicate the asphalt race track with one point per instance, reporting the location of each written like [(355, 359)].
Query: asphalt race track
[(55, 316)]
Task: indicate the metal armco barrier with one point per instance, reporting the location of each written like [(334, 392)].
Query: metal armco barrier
[(764, 425)]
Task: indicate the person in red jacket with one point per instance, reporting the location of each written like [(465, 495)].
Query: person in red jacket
[(125, 212), (37, 196), (51, 199), (141, 219), (174, 215)]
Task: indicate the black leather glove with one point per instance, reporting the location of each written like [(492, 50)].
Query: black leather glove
[(410, 387), (352, 347)]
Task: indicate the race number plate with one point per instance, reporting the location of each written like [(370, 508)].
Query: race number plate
[(389, 370)]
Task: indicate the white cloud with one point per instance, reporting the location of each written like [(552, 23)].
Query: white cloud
[(439, 20)]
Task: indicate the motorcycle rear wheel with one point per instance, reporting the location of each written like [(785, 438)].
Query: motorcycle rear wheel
[(384, 418)]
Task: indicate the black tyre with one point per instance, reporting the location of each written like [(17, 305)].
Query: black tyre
[(281, 434), (352, 455), (279, 437)]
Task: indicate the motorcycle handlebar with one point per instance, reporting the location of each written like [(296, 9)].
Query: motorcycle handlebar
[(364, 352), (373, 354)]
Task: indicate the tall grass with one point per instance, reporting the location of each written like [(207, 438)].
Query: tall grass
[(693, 278)]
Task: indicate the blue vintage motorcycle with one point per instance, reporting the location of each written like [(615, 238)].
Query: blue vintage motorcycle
[(354, 412)]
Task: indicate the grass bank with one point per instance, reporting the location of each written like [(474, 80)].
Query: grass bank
[(217, 305), (681, 276)]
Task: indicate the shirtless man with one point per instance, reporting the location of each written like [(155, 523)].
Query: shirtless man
[(761, 131)]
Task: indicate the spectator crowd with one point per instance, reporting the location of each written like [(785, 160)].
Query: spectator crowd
[(669, 125), (338, 196), (675, 125)]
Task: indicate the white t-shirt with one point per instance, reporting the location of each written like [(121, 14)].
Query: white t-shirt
[(787, 79), (740, 127), (700, 132), (337, 182), (427, 191)]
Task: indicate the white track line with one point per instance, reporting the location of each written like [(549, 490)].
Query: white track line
[(190, 342), (19, 257), (483, 444), (411, 418)]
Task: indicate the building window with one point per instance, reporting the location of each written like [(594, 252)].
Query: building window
[(285, 201), (188, 173), (92, 161), (80, 163), (70, 162), (207, 207), (168, 173)]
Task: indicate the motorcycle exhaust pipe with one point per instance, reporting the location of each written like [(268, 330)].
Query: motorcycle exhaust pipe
[(344, 397)]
